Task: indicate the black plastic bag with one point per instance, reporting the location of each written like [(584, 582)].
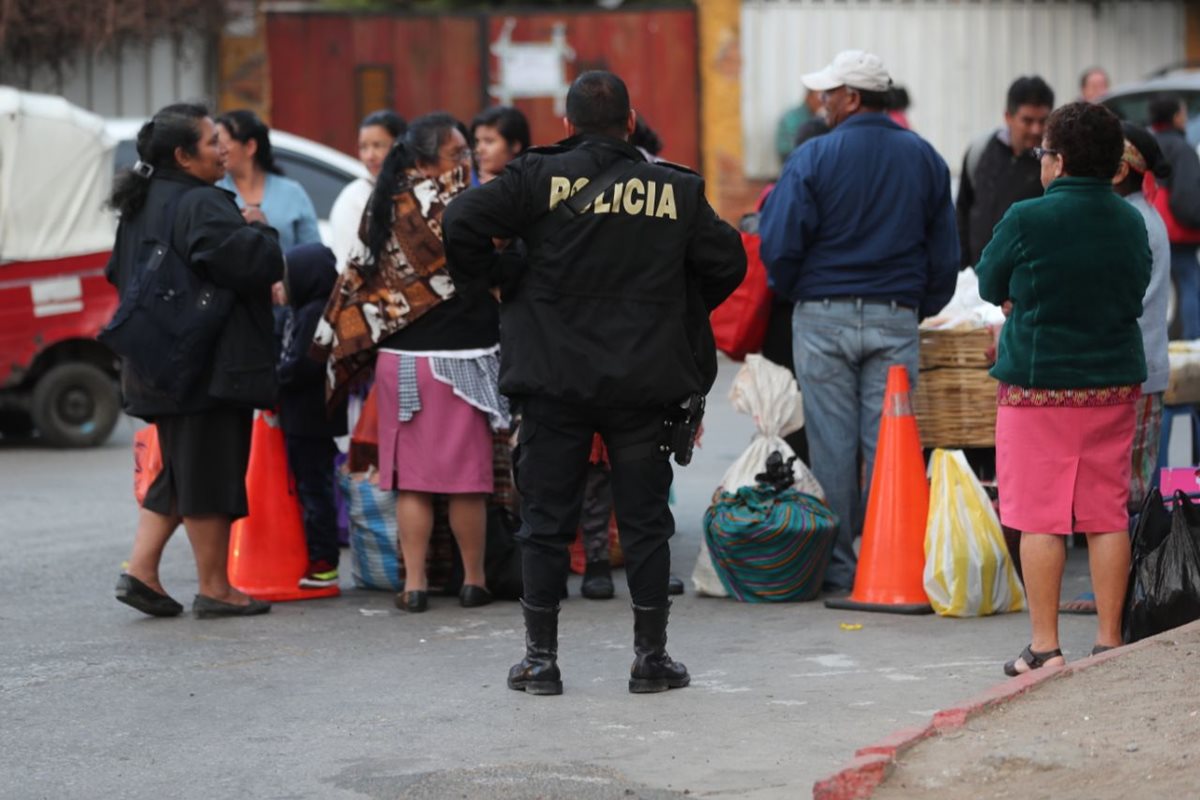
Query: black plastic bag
[(1164, 574)]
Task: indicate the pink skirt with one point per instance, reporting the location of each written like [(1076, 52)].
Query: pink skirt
[(1064, 470), (446, 448)]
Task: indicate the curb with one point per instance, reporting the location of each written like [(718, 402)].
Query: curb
[(872, 764)]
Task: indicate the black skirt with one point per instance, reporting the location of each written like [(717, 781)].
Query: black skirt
[(204, 464)]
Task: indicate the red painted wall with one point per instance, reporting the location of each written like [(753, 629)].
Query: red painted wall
[(442, 63)]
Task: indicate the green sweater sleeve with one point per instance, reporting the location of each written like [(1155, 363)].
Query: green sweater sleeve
[(999, 259)]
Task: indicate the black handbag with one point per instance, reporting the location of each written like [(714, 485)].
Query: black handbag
[(169, 318)]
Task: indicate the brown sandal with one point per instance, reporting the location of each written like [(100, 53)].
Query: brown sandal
[(1032, 659)]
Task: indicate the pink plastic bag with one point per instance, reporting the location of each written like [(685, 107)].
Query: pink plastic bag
[(1179, 479)]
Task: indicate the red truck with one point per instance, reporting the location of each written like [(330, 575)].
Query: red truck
[(56, 168)]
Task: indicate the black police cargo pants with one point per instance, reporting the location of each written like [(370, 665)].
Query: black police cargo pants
[(551, 466)]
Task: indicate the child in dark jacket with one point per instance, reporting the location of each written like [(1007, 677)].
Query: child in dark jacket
[(307, 426)]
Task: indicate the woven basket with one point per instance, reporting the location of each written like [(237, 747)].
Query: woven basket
[(955, 399)]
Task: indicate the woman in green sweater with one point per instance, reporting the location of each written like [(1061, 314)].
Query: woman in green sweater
[(1074, 265)]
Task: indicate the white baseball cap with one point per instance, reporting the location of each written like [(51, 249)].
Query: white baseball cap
[(854, 68)]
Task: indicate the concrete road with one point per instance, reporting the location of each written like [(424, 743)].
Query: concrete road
[(348, 698)]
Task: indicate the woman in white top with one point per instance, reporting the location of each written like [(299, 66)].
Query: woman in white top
[(376, 135)]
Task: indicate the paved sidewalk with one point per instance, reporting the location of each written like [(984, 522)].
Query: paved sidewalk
[(1122, 725), (348, 698)]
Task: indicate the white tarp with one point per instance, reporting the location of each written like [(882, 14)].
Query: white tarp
[(56, 170)]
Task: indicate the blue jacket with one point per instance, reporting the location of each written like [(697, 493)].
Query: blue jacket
[(864, 211)]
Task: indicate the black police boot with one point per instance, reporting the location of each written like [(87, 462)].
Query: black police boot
[(538, 671), (597, 581), (653, 670)]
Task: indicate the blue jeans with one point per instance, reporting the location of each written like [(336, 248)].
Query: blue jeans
[(1186, 271), (843, 349)]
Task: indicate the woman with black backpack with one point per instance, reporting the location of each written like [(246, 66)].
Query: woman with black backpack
[(199, 382)]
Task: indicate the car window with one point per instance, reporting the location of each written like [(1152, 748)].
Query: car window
[(1134, 108), (125, 155), (322, 182)]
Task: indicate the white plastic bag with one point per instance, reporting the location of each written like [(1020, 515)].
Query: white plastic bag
[(966, 308), (968, 571), (769, 394)]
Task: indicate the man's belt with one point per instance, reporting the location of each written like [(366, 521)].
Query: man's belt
[(861, 301)]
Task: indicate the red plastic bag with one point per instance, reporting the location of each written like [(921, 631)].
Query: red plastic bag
[(739, 324), (616, 557), (364, 439), (147, 461)]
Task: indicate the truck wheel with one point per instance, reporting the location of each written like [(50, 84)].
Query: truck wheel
[(76, 405)]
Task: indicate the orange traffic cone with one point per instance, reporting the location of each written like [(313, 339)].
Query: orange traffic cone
[(268, 553), (891, 564)]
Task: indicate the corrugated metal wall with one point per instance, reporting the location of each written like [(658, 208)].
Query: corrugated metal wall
[(443, 62), (955, 58), (132, 81)]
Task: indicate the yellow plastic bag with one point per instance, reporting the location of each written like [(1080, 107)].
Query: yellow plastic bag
[(968, 572)]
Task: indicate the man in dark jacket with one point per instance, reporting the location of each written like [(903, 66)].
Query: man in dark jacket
[(859, 232), (999, 168), (604, 332), (307, 427), (1178, 202)]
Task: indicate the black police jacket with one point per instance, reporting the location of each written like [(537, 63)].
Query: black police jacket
[(600, 313), (214, 239)]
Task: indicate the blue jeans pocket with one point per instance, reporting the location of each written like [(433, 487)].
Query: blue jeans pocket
[(818, 351)]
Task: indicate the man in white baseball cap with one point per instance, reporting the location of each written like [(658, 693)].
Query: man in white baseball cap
[(859, 233), (854, 68)]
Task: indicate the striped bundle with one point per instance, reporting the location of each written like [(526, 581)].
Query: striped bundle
[(374, 561), (768, 546)]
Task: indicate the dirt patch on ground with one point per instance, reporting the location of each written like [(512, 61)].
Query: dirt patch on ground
[(1127, 727)]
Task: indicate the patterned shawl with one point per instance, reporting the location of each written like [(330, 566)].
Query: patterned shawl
[(411, 279)]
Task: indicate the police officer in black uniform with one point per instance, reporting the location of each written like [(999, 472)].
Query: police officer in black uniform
[(604, 329)]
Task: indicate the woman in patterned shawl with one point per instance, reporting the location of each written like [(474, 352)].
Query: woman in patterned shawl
[(434, 346)]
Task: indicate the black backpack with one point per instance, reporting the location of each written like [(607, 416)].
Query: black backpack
[(169, 317)]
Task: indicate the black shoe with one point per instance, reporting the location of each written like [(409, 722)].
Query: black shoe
[(413, 602), (204, 607), (653, 670), (474, 596), (597, 581), (538, 673), (136, 594), (674, 585), (1033, 660)]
